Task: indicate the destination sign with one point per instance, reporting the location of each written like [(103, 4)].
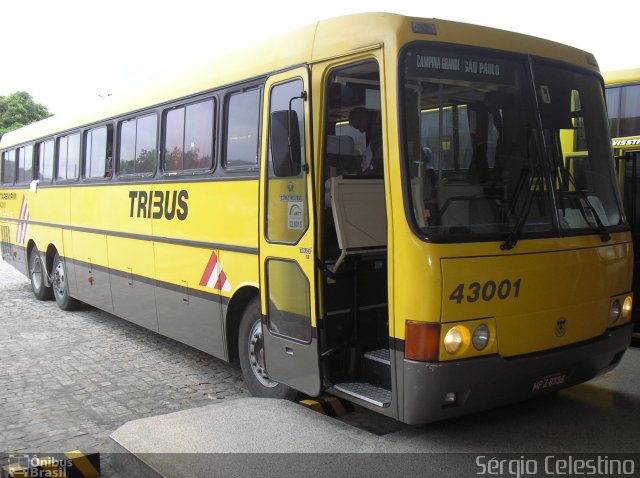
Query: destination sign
[(459, 67)]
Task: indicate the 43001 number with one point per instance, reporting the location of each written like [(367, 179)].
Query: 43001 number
[(487, 291)]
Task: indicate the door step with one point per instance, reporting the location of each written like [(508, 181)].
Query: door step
[(376, 368), (381, 356), (367, 392)]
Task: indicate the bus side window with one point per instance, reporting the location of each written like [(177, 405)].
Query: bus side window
[(98, 153), (68, 164), (45, 161), (8, 166), (242, 130), (188, 138), (25, 164), (137, 149)]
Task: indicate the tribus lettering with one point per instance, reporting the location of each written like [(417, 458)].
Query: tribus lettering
[(159, 204)]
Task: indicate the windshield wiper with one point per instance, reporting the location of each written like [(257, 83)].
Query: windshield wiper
[(600, 227), (514, 235)]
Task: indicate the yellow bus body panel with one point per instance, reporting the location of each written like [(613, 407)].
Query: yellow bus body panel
[(621, 77), (575, 286), (555, 275)]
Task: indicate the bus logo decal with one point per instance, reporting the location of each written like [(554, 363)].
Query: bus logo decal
[(23, 225), (626, 142), (561, 327), (214, 277)]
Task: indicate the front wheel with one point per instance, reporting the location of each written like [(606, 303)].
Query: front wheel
[(251, 354), (61, 286), (37, 274)]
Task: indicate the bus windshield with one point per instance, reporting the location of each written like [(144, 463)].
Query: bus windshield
[(483, 151)]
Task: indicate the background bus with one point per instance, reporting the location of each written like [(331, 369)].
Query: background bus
[(622, 92), (623, 107), (228, 208)]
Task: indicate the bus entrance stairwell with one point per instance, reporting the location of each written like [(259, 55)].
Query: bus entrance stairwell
[(355, 352)]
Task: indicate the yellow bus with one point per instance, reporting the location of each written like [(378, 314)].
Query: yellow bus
[(239, 208), (622, 92)]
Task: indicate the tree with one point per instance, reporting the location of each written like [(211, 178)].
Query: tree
[(18, 109)]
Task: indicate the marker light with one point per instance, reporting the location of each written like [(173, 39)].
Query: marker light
[(591, 59), (424, 28), (453, 340), (480, 338), (627, 307), (422, 341), (614, 314)]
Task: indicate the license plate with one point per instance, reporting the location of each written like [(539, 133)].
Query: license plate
[(549, 382)]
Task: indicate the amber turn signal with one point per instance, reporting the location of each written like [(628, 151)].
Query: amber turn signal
[(422, 341)]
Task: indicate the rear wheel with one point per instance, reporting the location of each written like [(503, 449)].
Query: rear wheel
[(37, 274), (251, 354), (61, 286)]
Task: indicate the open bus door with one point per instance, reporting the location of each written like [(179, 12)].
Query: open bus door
[(287, 265)]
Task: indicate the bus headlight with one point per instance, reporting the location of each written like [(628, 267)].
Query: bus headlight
[(627, 307), (614, 313), (480, 337), (453, 339)]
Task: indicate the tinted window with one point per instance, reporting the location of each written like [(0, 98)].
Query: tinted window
[(613, 109), (188, 143), (623, 108), (8, 166), (630, 111), (68, 165), (45, 160), (25, 164), (98, 152), (138, 145), (243, 123)]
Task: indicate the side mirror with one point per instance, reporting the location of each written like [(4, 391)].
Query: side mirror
[(284, 137)]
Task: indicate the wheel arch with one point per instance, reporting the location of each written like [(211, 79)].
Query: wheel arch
[(30, 245), (52, 250), (235, 310)]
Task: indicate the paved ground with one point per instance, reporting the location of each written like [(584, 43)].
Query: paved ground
[(68, 380)]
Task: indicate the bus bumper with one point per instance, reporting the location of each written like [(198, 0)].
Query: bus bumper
[(493, 381)]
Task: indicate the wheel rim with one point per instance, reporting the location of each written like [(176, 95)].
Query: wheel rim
[(36, 273), (256, 356), (58, 280)]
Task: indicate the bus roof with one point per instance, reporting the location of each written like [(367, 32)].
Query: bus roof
[(321, 40), (619, 77)]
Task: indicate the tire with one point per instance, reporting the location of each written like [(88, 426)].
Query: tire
[(37, 276), (61, 285), (251, 354)]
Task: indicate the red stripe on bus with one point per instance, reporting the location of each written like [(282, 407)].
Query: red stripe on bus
[(213, 260)]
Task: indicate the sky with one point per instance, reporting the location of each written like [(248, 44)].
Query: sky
[(66, 53)]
